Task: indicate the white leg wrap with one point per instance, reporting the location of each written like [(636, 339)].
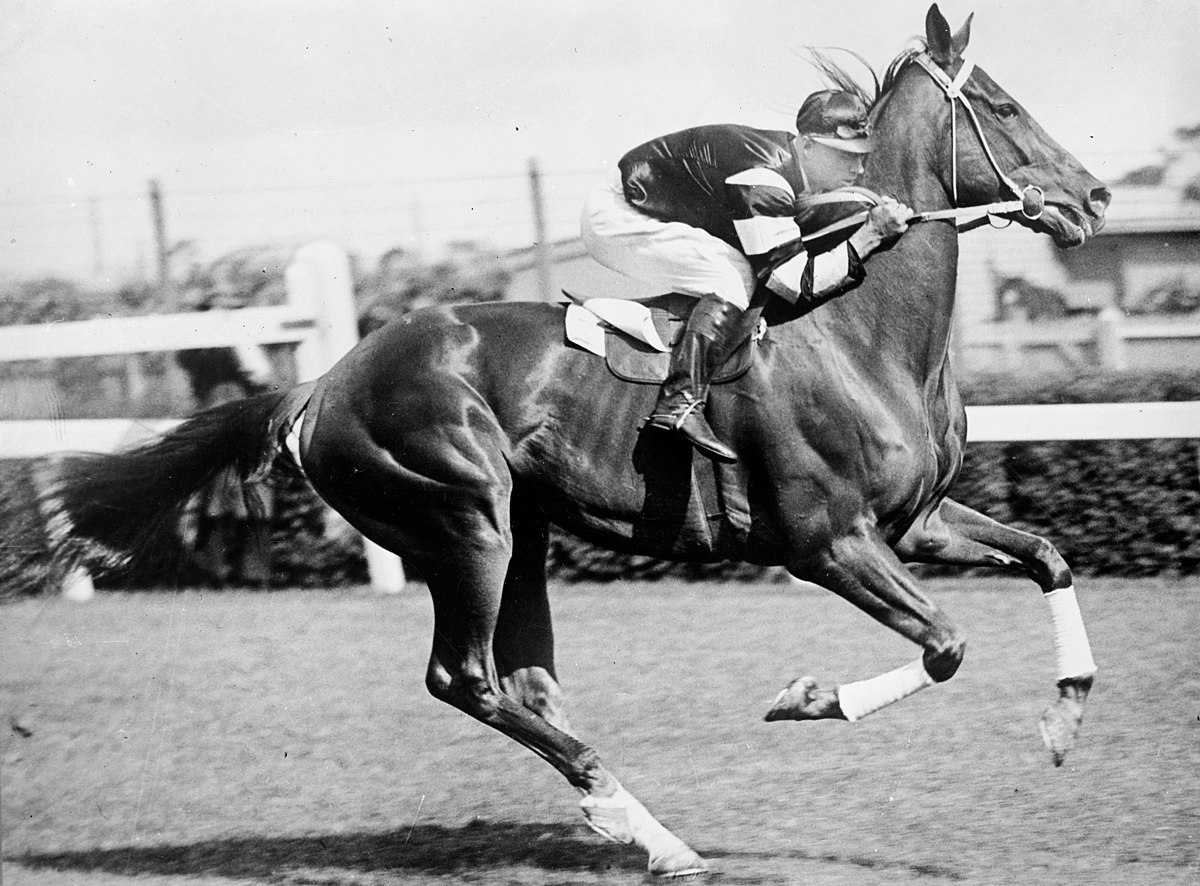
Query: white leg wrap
[(868, 696), (1072, 652), (623, 819)]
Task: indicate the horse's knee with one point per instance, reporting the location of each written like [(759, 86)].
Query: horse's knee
[(925, 538), (943, 657), (1057, 572)]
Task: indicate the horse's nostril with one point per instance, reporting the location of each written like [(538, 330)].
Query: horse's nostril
[(1099, 199)]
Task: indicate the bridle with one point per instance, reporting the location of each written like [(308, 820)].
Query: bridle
[(1032, 198)]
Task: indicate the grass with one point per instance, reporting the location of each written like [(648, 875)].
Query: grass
[(286, 737)]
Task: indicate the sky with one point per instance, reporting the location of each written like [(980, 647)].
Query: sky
[(412, 124)]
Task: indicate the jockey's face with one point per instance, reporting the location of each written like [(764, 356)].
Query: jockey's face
[(828, 168)]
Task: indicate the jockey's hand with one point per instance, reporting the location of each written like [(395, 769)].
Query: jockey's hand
[(890, 218), (885, 223)]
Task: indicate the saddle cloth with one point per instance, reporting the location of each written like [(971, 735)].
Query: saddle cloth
[(635, 338)]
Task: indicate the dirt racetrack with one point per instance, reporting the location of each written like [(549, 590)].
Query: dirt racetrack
[(221, 738)]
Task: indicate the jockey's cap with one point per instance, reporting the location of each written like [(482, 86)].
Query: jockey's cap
[(835, 118)]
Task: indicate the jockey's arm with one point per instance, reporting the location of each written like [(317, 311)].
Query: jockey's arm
[(764, 204)]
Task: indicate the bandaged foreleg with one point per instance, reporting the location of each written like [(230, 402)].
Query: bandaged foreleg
[(1072, 652), (868, 696)]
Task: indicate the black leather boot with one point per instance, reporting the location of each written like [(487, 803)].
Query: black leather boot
[(705, 344)]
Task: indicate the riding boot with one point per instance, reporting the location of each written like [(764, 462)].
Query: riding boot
[(707, 340)]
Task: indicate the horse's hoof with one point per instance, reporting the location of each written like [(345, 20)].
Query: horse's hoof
[(799, 701), (681, 863), (1059, 726)]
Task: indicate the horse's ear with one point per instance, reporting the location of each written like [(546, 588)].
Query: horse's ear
[(963, 37), (942, 45)]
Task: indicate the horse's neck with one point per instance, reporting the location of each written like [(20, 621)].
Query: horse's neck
[(905, 306), (899, 320)]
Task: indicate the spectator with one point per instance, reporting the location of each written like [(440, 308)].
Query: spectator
[(230, 521)]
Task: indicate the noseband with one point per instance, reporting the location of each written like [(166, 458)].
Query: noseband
[(1032, 198)]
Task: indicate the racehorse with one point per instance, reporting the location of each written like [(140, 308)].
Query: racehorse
[(455, 436)]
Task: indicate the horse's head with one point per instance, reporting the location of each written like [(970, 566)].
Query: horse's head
[(991, 149)]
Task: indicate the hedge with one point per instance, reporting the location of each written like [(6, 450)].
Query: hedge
[(1123, 507), (1113, 507)]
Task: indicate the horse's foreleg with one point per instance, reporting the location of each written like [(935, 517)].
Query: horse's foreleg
[(861, 568), (957, 535)]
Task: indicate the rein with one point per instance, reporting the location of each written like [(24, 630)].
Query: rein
[(1032, 199)]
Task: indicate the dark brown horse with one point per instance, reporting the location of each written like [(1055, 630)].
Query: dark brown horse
[(456, 436)]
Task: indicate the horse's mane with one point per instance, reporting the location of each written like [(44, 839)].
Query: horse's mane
[(898, 64), (837, 76)]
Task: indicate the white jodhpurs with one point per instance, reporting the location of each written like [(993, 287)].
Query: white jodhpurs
[(671, 256)]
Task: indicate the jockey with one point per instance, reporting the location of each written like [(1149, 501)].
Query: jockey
[(712, 211)]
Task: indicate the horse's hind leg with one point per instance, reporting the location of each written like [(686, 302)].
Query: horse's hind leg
[(524, 650), (861, 568), (441, 495), (477, 610), (524, 639), (957, 535)]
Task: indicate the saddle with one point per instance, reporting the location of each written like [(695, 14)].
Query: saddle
[(633, 360), (715, 494)]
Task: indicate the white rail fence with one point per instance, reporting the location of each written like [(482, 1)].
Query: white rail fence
[(1084, 421), (319, 318), (1109, 339)]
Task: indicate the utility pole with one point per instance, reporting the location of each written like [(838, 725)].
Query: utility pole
[(97, 244), (541, 247), (160, 241)]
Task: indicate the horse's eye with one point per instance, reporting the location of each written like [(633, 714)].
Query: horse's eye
[(1006, 111)]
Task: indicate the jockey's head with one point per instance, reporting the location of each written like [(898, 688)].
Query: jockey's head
[(834, 138)]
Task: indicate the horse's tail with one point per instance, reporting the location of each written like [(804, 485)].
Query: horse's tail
[(105, 509)]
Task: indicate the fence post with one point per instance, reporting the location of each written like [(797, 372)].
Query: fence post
[(1110, 343), (77, 586), (319, 279), (1013, 346), (336, 317), (540, 245), (319, 282)]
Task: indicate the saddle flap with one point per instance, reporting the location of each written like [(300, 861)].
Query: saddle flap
[(634, 361)]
